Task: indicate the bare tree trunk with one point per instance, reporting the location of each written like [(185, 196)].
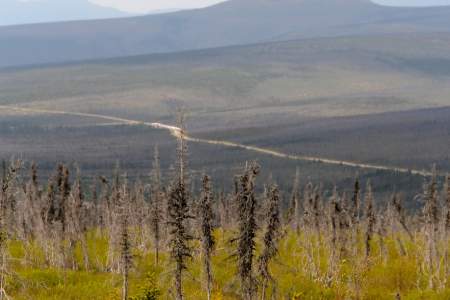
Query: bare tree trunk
[(447, 227), (247, 231), (206, 228), (431, 227), (179, 283), (370, 219), (84, 248), (125, 286), (156, 214), (125, 240), (263, 289)]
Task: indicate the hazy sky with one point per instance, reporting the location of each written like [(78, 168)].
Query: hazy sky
[(141, 6)]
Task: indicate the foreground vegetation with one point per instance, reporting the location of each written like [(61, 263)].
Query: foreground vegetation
[(297, 274), (148, 240)]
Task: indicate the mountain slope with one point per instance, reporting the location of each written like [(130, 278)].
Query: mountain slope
[(250, 85), (229, 23), (26, 12)]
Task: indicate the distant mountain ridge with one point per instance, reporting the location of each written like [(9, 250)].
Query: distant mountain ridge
[(234, 22), (30, 12)]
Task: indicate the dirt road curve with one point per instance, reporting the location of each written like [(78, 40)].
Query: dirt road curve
[(176, 132)]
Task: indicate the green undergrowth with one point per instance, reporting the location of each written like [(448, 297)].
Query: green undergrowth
[(301, 271)]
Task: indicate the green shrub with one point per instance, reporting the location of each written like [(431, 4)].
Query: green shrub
[(149, 290)]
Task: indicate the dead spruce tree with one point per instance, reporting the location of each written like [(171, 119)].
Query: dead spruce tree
[(156, 212), (78, 220), (139, 215), (125, 245), (431, 215), (335, 222), (399, 214), (30, 215), (354, 212), (370, 219), (270, 241), (113, 218), (341, 224), (64, 192), (355, 204), (55, 212), (447, 224), (317, 211), (178, 214), (8, 177), (294, 213), (224, 210), (447, 199), (396, 215), (308, 203), (246, 202), (207, 238), (381, 230)]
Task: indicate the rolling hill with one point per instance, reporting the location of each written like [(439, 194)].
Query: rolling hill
[(230, 23), (248, 85)]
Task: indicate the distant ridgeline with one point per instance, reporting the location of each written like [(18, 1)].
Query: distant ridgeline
[(234, 22)]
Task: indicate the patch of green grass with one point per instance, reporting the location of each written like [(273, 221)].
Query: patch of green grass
[(301, 271)]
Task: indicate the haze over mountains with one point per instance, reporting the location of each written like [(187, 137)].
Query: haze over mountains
[(37, 11), (230, 23)]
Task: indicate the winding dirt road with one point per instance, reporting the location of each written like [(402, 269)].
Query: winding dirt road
[(177, 132)]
